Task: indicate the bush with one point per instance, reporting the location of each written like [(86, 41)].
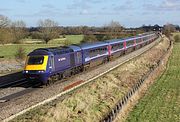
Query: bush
[(89, 38), (67, 42), (177, 38), (20, 54), (64, 36)]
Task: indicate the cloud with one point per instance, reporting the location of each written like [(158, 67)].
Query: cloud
[(48, 10), (49, 6), (124, 6), (21, 1), (95, 1), (4, 10), (83, 12), (79, 4), (166, 5)]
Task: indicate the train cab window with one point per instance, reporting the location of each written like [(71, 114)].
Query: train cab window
[(34, 60)]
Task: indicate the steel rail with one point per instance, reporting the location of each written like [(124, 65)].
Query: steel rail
[(9, 84)]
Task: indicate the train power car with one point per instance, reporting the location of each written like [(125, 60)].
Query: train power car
[(51, 64), (47, 64)]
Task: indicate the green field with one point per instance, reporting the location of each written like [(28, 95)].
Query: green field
[(162, 101), (177, 33), (75, 39), (9, 51), (72, 39)]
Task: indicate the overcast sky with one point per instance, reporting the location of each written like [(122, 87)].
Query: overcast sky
[(130, 13)]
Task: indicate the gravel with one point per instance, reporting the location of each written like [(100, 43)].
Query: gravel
[(10, 65)]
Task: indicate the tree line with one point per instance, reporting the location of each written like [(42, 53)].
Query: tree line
[(14, 31)]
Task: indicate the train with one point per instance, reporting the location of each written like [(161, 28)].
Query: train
[(47, 65)]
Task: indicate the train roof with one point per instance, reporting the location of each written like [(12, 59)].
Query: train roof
[(39, 52), (52, 50), (75, 47), (92, 45), (114, 41)]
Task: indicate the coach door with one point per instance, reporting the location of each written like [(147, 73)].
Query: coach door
[(79, 57), (72, 62), (51, 63)]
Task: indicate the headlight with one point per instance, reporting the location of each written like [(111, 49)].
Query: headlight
[(40, 71), (26, 71)]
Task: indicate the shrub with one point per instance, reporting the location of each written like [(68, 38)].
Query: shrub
[(89, 38), (67, 42), (177, 38), (64, 36), (20, 54)]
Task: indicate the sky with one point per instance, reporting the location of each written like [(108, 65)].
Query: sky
[(129, 13)]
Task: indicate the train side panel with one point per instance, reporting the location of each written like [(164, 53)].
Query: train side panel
[(63, 62), (95, 56)]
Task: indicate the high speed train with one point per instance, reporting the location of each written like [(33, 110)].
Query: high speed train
[(51, 64)]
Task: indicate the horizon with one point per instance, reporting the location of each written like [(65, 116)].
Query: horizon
[(96, 13)]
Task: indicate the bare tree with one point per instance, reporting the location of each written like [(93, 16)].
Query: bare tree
[(4, 21), (5, 35), (49, 29), (168, 29), (115, 24), (18, 29), (114, 28)]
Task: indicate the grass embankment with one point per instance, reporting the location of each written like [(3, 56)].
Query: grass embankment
[(9, 51), (94, 100), (162, 101)]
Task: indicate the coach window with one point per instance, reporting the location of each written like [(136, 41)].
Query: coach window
[(117, 46), (113, 47), (101, 51), (137, 41), (121, 45), (91, 53), (129, 43), (94, 52)]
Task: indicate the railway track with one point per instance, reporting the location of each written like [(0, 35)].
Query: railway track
[(70, 87), (29, 89), (13, 83)]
